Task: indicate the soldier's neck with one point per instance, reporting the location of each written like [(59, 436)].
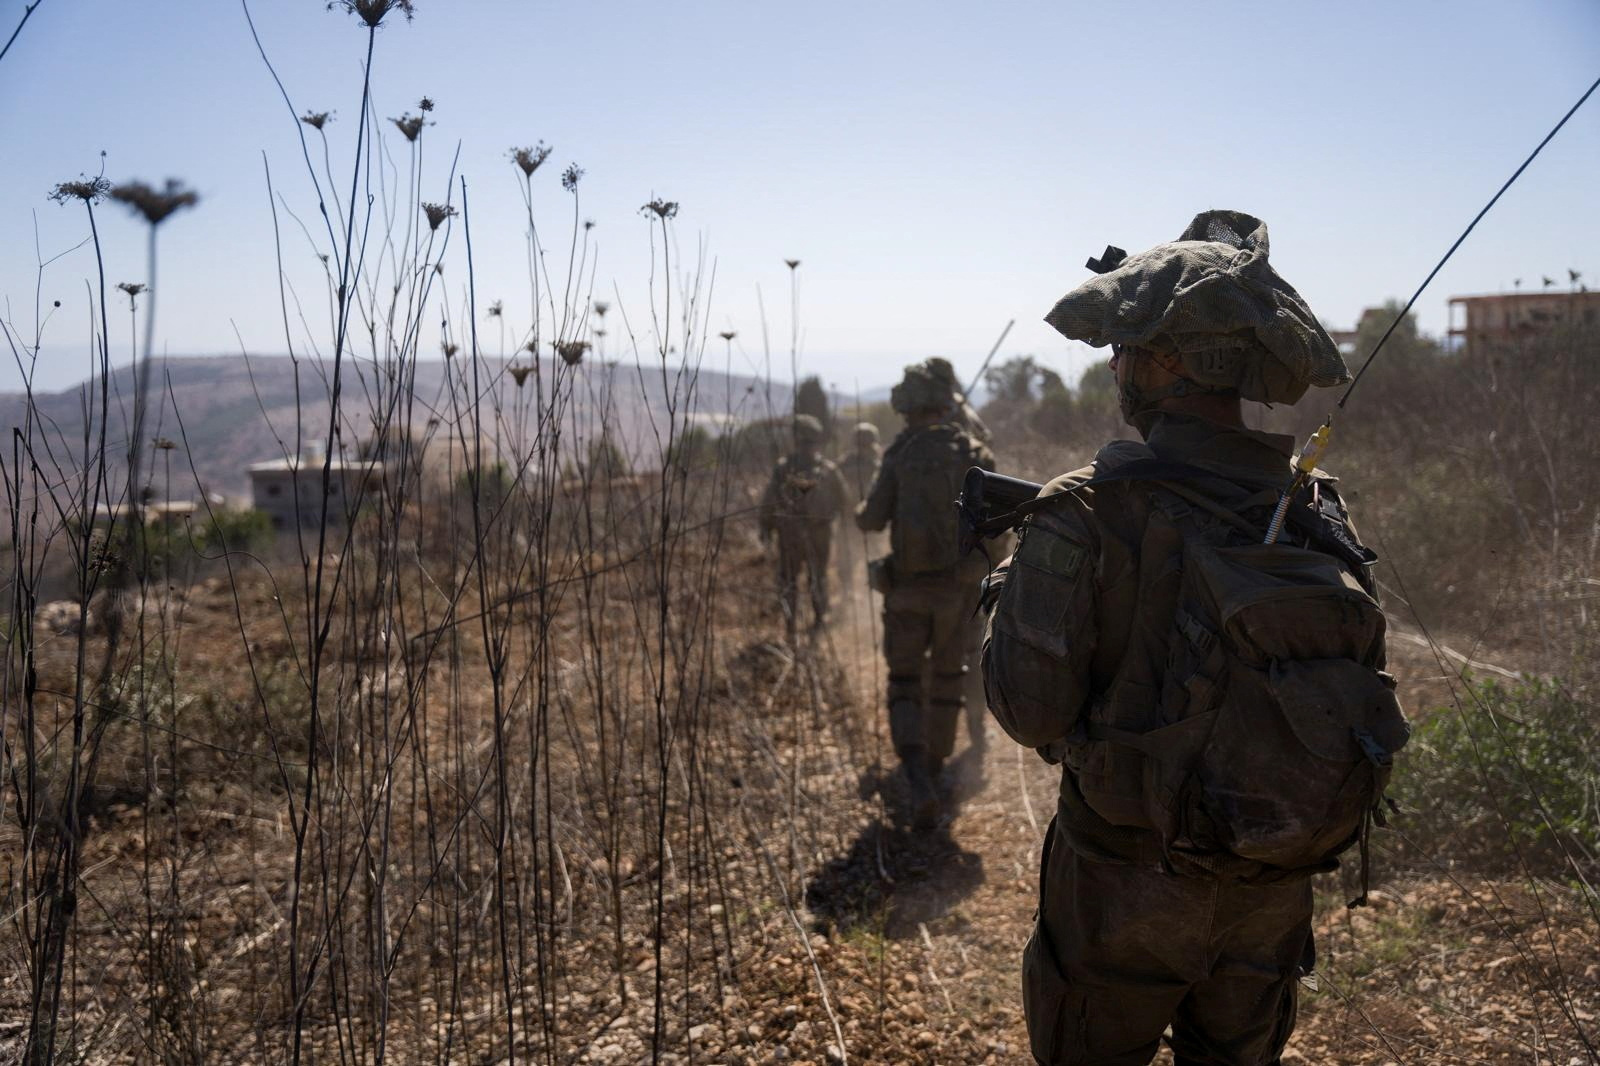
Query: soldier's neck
[(1223, 410)]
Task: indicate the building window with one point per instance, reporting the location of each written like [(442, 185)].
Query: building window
[(273, 490)]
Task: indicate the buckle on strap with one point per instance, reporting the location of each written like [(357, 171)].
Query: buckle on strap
[(1378, 755), (1194, 631)]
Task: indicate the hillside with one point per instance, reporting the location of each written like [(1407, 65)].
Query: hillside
[(233, 411)]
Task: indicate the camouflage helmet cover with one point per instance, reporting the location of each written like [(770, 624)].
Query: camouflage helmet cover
[(1211, 299), (921, 390), (807, 429), (866, 432), (941, 369)]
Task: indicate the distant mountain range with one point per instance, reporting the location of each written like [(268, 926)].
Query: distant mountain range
[(233, 411)]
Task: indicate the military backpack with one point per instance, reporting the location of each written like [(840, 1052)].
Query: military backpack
[(1272, 736)]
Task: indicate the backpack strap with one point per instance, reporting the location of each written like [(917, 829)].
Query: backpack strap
[(1166, 472), (1318, 521)]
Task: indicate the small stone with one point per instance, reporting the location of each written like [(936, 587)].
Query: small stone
[(834, 1053)]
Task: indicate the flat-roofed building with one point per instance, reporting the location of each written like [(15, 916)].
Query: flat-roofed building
[(1499, 318), (289, 490)]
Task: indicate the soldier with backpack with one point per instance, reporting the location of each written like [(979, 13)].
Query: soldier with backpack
[(804, 498), (1216, 699), (930, 589)]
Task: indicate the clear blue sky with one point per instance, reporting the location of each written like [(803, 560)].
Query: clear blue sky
[(938, 167)]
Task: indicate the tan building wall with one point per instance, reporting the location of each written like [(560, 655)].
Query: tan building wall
[(1509, 316)]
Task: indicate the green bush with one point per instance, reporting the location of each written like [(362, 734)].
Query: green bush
[(1508, 779)]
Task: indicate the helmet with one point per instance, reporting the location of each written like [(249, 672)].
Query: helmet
[(941, 369), (921, 390), (807, 430), (865, 433), (1211, 299)]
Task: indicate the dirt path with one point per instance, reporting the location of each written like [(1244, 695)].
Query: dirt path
[(942, 914)]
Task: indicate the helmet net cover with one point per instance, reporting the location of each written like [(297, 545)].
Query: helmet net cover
[(807, 428), (921, 390), (1212, 299)]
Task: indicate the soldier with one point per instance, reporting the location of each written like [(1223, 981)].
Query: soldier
[(929, 590), (859, 468), (1150, 913), (963, 414), (805, 497)]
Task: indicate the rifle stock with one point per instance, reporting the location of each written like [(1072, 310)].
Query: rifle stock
[(987, 503)]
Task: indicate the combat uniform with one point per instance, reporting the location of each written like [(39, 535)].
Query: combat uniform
[(1133, 932), (802, 501), (933, 589), (1122, 947)]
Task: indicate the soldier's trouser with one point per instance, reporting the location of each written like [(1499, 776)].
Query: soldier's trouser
[(926, 620), (804, 553), (1119, 952)]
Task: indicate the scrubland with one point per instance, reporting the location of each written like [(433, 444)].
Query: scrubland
[(495, 755)]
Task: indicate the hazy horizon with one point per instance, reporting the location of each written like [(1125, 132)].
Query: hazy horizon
[(935, 175)]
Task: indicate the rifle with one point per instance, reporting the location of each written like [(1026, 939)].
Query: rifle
[(988, 505)]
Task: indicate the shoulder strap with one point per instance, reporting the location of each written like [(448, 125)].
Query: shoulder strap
[(1166, 472), (1320, 526)]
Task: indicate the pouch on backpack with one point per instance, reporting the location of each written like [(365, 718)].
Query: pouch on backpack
[(1273, 735)]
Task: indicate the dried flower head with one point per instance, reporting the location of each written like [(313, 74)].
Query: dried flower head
[(601, 307), (532, 347), (728, 334), (791, 263), (410, 125), (571, 352), (89, 190), (155, 204), (317, 119), (133, 289), (662, 209), (164, 444), (450, 349), (530, 159), (588, 224), (372, 12), (519, 374), (571, 176), (496, 309), (437, 213), (426, 103)]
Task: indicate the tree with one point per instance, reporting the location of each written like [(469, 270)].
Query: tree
[(811, 399)]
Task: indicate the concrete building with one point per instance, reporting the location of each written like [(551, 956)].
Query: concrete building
[(1505, 317), (290, 490)]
